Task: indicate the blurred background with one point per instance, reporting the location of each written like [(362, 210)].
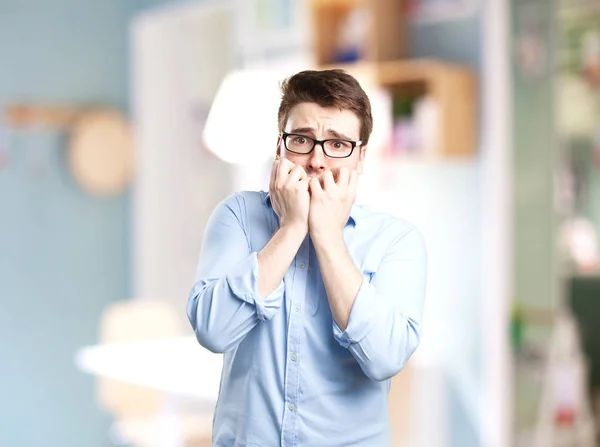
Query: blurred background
[(124, 122)]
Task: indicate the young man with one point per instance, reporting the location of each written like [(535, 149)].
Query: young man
[(315, 302)]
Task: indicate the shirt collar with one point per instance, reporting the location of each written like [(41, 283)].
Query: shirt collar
[(355, 213)]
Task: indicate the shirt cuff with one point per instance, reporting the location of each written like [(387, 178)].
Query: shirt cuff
[(243, 282), (362, 317)]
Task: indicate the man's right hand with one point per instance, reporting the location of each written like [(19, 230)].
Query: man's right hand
[(289, 194)]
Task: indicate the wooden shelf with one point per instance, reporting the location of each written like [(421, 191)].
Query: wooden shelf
[(346, 4), (385, 39), (452, 87), (30, 115)]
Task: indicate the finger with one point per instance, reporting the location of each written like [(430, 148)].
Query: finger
[(303, 174), (335, 172), (287, 164), (328, 182), (353, 185), (283, 170), (298, 173), (343, 177), (273, 177), (315, 187), (304, 183)]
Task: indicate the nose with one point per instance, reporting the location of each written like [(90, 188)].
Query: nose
[(317, 160)]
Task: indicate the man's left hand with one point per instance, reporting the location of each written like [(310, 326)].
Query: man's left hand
[(330, 202)]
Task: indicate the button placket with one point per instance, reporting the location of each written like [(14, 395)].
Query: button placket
[(295, 334)]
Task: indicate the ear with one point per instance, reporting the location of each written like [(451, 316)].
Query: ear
[(361, 159), (278, 150)]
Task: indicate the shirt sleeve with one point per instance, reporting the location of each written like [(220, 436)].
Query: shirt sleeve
[(384, 325), (224, 304)]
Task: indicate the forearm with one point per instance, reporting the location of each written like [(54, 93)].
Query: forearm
[(386, 341), (384, 326), (275, 258), (341, 277), (225, 303), (221, 318)]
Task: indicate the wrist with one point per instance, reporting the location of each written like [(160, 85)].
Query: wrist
[(295, 229), (330, 249), (327, 238)]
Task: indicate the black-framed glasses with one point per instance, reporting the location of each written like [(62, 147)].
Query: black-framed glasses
[(333, 148)]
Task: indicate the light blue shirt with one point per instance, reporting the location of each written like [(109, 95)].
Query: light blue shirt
[(290, 376)]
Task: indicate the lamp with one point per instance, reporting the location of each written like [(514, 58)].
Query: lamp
[(241, 127)]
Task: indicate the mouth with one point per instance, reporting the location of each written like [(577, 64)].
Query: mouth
[(334, 172)]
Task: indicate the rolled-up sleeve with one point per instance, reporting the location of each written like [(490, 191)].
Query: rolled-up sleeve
[(384, 326), (224, 303)]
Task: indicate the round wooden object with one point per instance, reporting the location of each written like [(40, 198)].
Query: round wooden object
[(100, 152)]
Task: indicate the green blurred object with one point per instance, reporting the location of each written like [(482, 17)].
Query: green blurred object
[(402, 108), (517, 326)]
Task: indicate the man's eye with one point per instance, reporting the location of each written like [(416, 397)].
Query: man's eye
[(299, 140), (338, 144)]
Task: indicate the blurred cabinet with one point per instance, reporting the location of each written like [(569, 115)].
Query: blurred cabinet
[(379, 55), (384, 36), (451, 87)]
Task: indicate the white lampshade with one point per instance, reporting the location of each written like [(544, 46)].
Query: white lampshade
[(381, 110), (241, 127)]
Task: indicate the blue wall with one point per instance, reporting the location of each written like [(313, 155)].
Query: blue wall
[(63, 253)]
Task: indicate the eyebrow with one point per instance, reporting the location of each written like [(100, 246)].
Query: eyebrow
[(333, 133)]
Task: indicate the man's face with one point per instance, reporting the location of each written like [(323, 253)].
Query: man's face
[(323, 123)]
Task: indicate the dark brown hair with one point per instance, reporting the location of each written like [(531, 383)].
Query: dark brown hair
[(327, 88)]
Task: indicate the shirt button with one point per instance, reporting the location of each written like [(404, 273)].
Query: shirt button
[(302, 265), (292, 407), (294, 358), (298, 308)]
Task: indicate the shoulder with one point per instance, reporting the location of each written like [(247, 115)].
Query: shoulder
[(244, 202), (388, 228), (248, 208)]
